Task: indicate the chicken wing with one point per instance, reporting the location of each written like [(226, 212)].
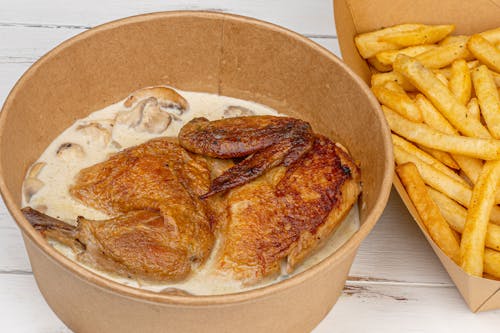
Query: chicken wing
[(270, 141)]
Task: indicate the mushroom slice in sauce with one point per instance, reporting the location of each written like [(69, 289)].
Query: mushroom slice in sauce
[(96, 133), (166, 97), (175, 292), (146, 116), (69, 151), (32, 184), (237, 111)]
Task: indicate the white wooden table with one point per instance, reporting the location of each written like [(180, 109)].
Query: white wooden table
[(396, 283)]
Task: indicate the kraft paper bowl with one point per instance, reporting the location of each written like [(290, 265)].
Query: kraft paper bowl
[(201, 51)]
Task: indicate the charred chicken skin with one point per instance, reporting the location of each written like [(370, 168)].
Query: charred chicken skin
[(289, 210)]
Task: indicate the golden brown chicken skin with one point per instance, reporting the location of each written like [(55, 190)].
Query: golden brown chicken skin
[(287, 213), (294, 189), (268, 141), (136, 244), (162, 177)]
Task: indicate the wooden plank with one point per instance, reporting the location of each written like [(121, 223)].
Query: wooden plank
[(314, 17), (401, 308), (396, 250), (26, 44), (23, 308)]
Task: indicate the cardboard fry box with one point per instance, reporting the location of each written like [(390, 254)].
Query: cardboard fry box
[(358, 16)]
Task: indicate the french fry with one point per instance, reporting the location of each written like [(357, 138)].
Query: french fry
[(422, 35), (486, 149), (444, 55), (487, 95), (442, 156), (378, 65), (436, 225), (456, 190), (395, 87), (473, 109), (485, 51), (432, 117), (369, 43), (381, 79), (456, 214), (460, 83), (492, 263), (496, 78), (470, 166), (388, 57), (493, 35), (440, 96), (454, 39), (425, 157), (398, 101), (478, 215), (442, 78), (447, 70)]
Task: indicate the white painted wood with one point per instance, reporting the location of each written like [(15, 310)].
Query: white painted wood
[(396, 250), (23, 309), (399, 308), (307, 17), (396, 282)]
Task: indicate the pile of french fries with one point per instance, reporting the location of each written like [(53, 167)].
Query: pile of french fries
[(440, 95)]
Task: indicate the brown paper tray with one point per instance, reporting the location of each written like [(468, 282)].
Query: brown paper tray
[(356, 16)]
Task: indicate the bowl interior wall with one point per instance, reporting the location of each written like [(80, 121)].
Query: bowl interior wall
[(198, 51)]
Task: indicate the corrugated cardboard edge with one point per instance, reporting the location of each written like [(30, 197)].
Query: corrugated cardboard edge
[(479, 294)]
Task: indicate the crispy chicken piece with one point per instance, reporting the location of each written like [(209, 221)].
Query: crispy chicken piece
[(297, 187), (288, 212), (161, 177), (270, 141), (134, 244)]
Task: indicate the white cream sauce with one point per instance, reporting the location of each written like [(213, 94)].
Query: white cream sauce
[(59, 173)]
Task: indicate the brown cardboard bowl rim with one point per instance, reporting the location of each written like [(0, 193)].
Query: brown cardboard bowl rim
[(109, 285)]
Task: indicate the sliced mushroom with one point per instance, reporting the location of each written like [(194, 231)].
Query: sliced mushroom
[(35, 169), (32, 184), (166, 97), (116, 145), (237, 111), (146, 116), (175, 292), (70, 151), (41, 208), (96, 133)]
